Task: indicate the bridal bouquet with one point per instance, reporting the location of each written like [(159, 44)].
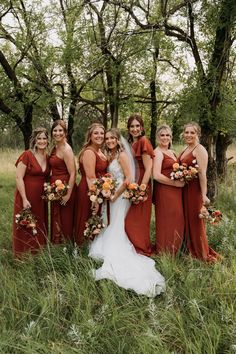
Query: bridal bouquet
[(183, 172), (102, 188), (136, 193), (210, 214), (25, 219), (93, 227), (54, 191)]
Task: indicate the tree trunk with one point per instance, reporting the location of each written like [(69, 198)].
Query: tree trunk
[(153, 113), (222, 142)]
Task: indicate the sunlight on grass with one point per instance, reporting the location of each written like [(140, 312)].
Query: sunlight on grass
[(51, 304)]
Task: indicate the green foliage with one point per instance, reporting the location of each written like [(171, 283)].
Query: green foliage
[(51, 304)]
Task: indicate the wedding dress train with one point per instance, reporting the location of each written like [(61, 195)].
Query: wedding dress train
[(121, 263)]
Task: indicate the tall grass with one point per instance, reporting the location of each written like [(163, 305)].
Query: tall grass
[(51, 304)]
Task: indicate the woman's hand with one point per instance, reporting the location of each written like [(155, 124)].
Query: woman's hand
[(179, 184), (26, 204), (65, 199), (205, 200)]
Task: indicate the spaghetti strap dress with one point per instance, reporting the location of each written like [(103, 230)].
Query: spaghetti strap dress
[(169, 215), (34, 179), (195, 230), (83, 204), (62, 216), (137, 221)]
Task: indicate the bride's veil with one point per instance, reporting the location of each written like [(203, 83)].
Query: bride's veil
[(128, 151)]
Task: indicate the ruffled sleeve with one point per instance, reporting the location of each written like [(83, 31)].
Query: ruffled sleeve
[(143, 146), (25, 158)]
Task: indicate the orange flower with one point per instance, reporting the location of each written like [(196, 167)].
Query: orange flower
[(58, 182), (132, 186), (175, 166), (60, 187), (106, 186), (92, 188)]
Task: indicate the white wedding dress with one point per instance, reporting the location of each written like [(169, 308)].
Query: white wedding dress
[(121, 262)]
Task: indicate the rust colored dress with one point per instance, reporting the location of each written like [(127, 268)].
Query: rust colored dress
[(83, 210), (138, 218), (62, 216), (168, 212), (195, 230), (23, 239)]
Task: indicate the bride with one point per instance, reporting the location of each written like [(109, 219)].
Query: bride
[(121, 263)]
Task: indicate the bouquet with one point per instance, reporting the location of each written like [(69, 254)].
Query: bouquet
[(54, 191), (25, 219), (210, 214), (183, 172), (102, 188), (136, 193), (94, 226)]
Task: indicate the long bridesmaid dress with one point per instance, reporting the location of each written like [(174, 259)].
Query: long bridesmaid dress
[(23, 239), (195, 230), (137, 221), (168, 212), (62, 216), (83, 209)]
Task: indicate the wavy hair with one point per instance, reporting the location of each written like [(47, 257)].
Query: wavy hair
[(35, 133), (138, 117), (89, 132)]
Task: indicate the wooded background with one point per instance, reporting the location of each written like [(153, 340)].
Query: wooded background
[(85, 61)]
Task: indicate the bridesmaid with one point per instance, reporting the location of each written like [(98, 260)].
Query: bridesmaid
[(137, 222), (195, 195), (32, 169), (62, 164), (167, 195), (92, 163)]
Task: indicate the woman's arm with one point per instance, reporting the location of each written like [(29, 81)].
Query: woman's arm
[(158, 176), (147, 162), (202, 160), (125, 165), (20, 173), (89, 163), (69, 160)]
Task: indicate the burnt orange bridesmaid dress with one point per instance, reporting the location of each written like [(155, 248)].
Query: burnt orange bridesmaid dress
[(168, 212), (23, 239), (195, 230), (138, 218), (62, 216), (83, 209)]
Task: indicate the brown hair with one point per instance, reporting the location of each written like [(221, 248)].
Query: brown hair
[(35, 133), (90, 130), (138, 117), (60, 122)]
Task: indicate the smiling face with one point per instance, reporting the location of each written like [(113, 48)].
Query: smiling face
[(111, 141), (135, 129), (97, 136), (190, 135), (41, 141), (58, 133), (164, 138)]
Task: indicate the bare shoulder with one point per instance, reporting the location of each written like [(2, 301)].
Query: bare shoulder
[(200, 151), (158, 153), (123, 156)]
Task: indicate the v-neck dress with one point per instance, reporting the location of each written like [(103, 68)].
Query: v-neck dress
[(83, 204), (23, 239), (195, 230), (62, 216), (168, 212)]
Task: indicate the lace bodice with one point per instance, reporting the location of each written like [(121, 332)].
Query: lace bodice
[(115, 169)]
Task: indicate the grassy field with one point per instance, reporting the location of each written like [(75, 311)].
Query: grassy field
[(51, 304)]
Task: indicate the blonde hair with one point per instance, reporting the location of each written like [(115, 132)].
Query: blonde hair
[(35, 133), (116, 134), (195, 126), (163, 127), (89, 133)]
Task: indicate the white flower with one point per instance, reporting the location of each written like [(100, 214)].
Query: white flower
[(93, 198)]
